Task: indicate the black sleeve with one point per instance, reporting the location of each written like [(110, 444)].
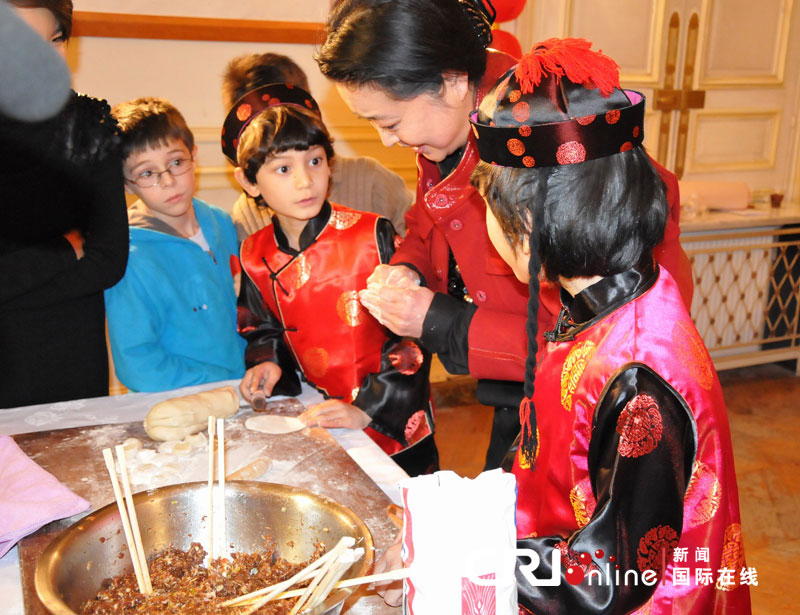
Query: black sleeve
[(638, 489), (445, 331), (26, 268), (264, 334), (106, 238), (402, 386), (48, 272), (400, 389)]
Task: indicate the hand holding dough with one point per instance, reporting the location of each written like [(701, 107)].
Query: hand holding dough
[(176, 418)]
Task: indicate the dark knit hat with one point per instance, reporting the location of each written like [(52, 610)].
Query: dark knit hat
[(561, 104), (254, 102)]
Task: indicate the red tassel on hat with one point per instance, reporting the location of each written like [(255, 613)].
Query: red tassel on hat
[(572, 57)]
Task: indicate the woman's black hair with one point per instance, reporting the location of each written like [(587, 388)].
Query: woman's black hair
[(280, 129), (404, 46), (61, 10), (596, 218)]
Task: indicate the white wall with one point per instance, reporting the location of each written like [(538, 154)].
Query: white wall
[(189, 74)]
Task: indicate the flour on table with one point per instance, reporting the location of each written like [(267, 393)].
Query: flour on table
[(273, 424)]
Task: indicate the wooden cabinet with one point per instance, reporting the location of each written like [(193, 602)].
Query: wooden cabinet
[(747, 284)]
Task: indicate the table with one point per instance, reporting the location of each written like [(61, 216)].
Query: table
[(133, 407)]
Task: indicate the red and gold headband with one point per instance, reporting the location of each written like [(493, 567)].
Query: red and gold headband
[(254, 102)]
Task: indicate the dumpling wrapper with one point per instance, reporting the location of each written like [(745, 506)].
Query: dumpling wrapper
[(274, 424)]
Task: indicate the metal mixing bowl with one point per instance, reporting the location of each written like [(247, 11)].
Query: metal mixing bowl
[(73, 566)]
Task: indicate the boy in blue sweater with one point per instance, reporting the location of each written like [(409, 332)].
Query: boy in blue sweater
[(172, 318)]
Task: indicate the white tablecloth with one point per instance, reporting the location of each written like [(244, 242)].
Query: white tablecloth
[(133, 407)]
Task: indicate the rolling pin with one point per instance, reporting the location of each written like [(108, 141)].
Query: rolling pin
[(252, 470)]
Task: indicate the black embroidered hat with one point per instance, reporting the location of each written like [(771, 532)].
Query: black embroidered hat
[(561, 104), (254, 102)]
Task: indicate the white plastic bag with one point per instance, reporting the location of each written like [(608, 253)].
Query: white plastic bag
[(459, 538)]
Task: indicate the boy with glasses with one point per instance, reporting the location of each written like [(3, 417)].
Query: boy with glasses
[(172, 318)]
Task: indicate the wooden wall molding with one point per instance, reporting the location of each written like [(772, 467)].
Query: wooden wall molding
[(702, 126), (709, 78), (166, 27), (649, 74)]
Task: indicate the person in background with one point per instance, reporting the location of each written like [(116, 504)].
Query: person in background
[(298, 304), (359, 182), (172, 318), (416, 69), (63, 238), (625, 458)]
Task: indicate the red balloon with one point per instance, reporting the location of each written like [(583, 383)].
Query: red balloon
[(507, 9), (505, 41)]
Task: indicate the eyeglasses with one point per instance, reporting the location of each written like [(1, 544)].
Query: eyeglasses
[(176, 167)]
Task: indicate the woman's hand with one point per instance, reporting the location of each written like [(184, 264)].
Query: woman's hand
[(393, 275), (402, 310), (335, 413), (262, 377), (392, 591)]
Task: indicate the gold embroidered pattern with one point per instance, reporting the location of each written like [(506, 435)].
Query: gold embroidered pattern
[(353, 394), (343, 220), (315, 362), (582, 500), (302, 270), (703, 495), (572, 370), (732, 556), (296, 274), (692, 354), (349, 309)]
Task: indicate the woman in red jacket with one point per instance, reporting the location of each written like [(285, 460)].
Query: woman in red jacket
[(415, 69)]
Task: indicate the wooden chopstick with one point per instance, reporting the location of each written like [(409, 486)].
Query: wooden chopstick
[(342, 564), (137, 535), (333, 557), (283, 585), (210, 488), (391, 575), (126, 522), (221, 479)]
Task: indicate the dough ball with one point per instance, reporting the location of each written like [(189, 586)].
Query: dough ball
[(162, 459), (145, 455), (131, 445), (273, 424), (182, 449), (166, 447), (143, 474), (197, 440), (174, 467)]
